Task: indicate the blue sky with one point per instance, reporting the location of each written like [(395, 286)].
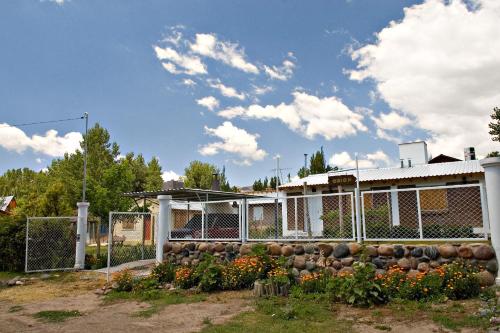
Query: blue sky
[(341, 83)]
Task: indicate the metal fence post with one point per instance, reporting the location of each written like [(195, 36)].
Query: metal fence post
[(164, 221), (296, 218), (27, 240), (81, 234), (419, 212), (110, 242)]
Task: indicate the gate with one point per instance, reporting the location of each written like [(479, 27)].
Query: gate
[(131, 238), (50, 243)]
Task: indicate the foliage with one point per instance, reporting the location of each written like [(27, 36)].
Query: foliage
[(495, 124), (12, 243), (199, 175), (242, 272), (317, 164), (56, 316), (184, 277), (460, 281), (493, 154), (145, 284), (208, 274), (164, 272), (360, 288), (315, 282), (124, 280), (279, 276)]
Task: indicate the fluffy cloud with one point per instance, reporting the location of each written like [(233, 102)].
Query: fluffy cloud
[(262, 90), (439, 64), (283, 72), (391, 121), (191, 65), (234, 140), (226, 90), (209, 102), (170, 175), (188, 82), (308, 115), (229, 53), (372, 160), (51, 144)]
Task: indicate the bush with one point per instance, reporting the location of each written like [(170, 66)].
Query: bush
[(145, 284), (279, 276), (460, 281), (164, 272), (315, 282), (208, 273), (124, 280), (425, 286), (184, 277), (242, 272), (360, 288), (12, 243)]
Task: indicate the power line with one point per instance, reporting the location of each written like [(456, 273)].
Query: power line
[(42, 122)]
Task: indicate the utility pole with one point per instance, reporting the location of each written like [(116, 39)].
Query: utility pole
[(86, 117)]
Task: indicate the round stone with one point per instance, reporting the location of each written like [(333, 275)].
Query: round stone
[(304, 272), (392, 262), (404, 264), (185, 261), (412, 274), (434, 264), (295, 272), (423, 267), (245, 249), (274, 249), (299, 249), (167, 247), (219, 247), (346, 270), (417, 252), (399, 251), (176, 248), (413, 263), (341, 251), (337, 264), (299, 262), (371, 251), (310, 265), (379, 271), (330, 271), (492, 266), (486, 278), (203, 247), (432, 252), (447, 251), (354, 248), (483, 252), (309, 249), (287, 250), (465, 251), (325, 249), (386, 250), (229, 248), (190, 246), (347, 261), (379, 263)]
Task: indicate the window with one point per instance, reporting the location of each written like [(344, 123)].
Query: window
[(434, 200), (128, 225), (258, 213)]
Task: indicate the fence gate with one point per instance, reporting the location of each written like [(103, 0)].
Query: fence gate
[(131, 237), (50, 243)]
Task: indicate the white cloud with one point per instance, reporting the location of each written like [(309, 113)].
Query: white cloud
[(439, 64), (226, 90), (283, 72), (51, 144), (38, 160), (308, 115), (209, 102), (188, 82), (235, 141), (371, 160), (262, 90), (229, 53), (57, 2), (391, 121), (191, 65), (170, 175)]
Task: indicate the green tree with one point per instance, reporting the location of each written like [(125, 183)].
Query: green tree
[(199, 175), (273, 181), (493, 154), (495, 124), (317, 164), (154, 181)]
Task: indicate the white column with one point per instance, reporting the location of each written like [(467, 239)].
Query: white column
[(81, 234), (492, 180), (164, 220), (395, 206)]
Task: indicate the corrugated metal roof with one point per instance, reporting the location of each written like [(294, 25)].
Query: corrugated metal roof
[(4, 202), (417, 171)]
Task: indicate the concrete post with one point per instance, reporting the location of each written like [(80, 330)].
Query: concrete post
[(492, 181), (81, 234), (164, 222)]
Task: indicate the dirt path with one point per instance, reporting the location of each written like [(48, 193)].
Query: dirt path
[(119, 317)]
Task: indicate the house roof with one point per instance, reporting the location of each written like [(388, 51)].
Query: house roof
[(442, 158), (5, 202), (394, 173), (191, 194)]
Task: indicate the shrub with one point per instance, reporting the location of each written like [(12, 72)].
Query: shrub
[(279, 276), (460, 281), (145, 284), (12, 243), (184, 277), (208, 273), (315, 282), (242, 272), (360, 288), (164, 272), (424, 286), (124, 280)]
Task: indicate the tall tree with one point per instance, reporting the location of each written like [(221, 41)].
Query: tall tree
[(154, 181), (317, 164), (495, 124), (199, 175)]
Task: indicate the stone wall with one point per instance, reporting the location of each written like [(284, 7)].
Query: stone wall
[(339, 257)]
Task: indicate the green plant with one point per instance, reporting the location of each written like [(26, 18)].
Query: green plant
[(360, 288), (56, 316), (315, 282), (145, 284), (184, 277), (422, 287), (164, 272), (124, 280), (460, 281), (242, 272)]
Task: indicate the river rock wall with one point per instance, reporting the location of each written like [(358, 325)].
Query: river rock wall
[(339, 257)]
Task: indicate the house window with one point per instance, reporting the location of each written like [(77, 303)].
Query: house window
[(434, 200), (258, 213), (128, 225)]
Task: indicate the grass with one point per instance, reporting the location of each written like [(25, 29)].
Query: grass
[(157, 299), (286, 315), (456, 323), (56, 316)]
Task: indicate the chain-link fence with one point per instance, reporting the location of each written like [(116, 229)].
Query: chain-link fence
[(50, 243), (217, 220), (432, 213), (309, 217), (131, 237)]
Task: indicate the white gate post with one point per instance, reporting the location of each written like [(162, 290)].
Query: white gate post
[(492, 180), (81, 234), (164, 222)]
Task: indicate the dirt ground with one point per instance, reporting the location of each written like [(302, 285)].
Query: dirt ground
[(76, 292)]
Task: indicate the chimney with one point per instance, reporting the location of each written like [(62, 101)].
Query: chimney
[(470, 154), (215, 182)]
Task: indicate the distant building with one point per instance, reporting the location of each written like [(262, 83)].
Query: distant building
[(7, 205)]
